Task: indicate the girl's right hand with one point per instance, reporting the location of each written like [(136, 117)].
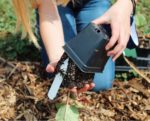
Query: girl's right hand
[(118, 16)]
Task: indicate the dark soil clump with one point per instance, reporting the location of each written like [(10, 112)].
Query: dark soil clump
[(74, 77)]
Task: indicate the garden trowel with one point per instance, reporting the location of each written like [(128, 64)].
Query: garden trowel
[(58, 80)]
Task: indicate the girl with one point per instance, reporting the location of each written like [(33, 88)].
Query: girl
[(59, 24)]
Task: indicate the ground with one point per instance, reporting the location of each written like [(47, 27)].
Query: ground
[(23, 96)]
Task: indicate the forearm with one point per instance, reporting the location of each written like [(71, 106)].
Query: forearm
[(130, 0), (51, 30), (131, 4), (53, 39)]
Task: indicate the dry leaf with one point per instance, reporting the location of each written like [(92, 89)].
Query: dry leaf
[(108, 113), (29, 116)]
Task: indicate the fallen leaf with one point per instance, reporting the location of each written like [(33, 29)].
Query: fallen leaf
[(29, 116), (108, 113), (67, 113)]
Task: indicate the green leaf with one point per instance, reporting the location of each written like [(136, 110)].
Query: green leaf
[(58, 105), (140, 20), (124, 75), (147, 30), (133, 72), (67, 113), (79, 105)]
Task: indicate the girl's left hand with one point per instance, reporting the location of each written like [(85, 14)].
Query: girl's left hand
[(51, 68), (118, 16)]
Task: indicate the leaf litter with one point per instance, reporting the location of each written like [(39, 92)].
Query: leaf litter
[(23, 96)]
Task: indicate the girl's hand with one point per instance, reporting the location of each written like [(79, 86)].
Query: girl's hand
[(118, 16)]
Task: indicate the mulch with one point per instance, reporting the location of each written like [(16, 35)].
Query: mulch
[(23, 96)]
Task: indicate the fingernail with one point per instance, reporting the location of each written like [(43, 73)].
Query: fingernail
[(87, 86), (107, 48)]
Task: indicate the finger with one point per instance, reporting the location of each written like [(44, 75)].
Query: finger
[(84, 89), (50, 68), (116, 50), (100, 20), (120, 37), (74, 90), (117, 55), (122, 42), (92, 85), (115, 36)]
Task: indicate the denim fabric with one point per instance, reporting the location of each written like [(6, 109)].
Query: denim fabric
[(74, 19)]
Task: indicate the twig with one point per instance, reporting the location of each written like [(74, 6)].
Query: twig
[(28, 62), (8, 63), (67, 102), (28, 97), (14, 69), (2, 80), (68, 97), (136, 70)]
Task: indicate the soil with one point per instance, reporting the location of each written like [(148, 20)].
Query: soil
[(144, 41), (23, 93), (73, 77)]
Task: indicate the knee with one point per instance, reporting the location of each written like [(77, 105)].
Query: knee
[(103, 82)]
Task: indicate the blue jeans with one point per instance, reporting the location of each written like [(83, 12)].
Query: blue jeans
[(74, 19)]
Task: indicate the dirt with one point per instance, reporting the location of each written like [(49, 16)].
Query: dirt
[(144, 41), (73, 77), (24, 93)]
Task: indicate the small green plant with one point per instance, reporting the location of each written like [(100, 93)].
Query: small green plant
[(67, 112), (7, 19), (142, 16), (125, 76), (13, 48)]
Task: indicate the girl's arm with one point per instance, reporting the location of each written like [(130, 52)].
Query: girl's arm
[(51, 29)]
